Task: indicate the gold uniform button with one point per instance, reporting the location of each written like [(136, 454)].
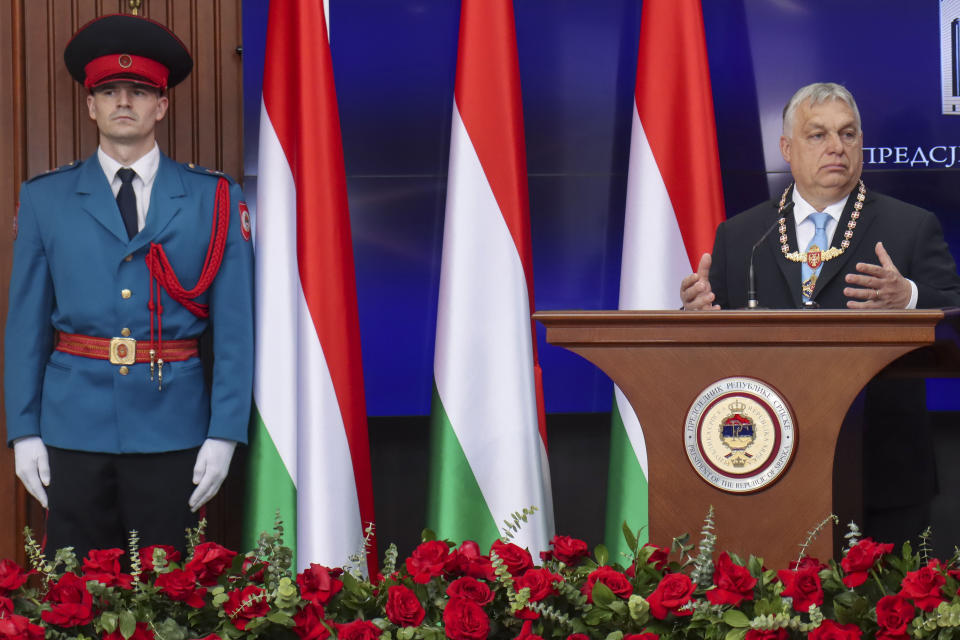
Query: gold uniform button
[(124, 370), (125, 332), (125, 294), (128, 258)]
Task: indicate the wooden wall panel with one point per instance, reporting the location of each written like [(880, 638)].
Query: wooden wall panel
[(48, 124)]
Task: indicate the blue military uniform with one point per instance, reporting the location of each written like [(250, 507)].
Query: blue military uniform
[(76, 271)]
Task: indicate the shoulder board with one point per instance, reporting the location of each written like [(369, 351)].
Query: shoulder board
[(67, 167), (195, 168)]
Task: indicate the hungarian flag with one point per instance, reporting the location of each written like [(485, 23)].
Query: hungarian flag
[(488, 452), (309, 454), (674, 204)]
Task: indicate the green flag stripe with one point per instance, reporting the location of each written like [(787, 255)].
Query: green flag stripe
[(269, 490), (456, 509), (626, 490)]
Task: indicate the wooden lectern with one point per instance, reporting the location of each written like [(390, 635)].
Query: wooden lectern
[(818, 361)]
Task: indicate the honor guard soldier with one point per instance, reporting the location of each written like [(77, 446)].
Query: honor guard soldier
[(121, 262)]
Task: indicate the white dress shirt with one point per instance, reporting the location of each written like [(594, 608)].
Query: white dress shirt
[(806, 230), (146, 172)]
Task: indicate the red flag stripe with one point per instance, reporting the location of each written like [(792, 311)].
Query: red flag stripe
[(300, 98), (675, 105)]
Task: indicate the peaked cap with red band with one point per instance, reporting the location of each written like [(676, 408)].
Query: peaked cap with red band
[(122, 47)]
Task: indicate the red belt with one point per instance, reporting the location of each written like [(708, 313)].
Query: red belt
[(123, 350)]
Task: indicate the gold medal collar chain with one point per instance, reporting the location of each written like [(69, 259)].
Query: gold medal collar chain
[(832, 252)]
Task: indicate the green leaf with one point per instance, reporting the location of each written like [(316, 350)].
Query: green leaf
[(405, 633), (280, 618), (619, 607), (736, 634), (427, 535), (603, 596), (601, 554), (596, 617), (220, 599), (615, 635), (128, 624), (629, 537), (736, 618), (108, 620)]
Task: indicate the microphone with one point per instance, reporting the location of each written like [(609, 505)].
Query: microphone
[(752, 302)]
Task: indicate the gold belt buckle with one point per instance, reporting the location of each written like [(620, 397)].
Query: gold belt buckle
[(123, 350)]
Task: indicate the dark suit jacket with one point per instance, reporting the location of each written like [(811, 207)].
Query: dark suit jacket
[(898, 453)]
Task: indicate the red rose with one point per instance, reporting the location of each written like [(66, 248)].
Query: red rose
[(309, 623), (141, 632), (246, 604), (803, 585), (211, 636), (734, 583), (471, 589), (767, 634), (12, 576), (516, 559), (259, 574), (806, 562), (146, 555), (924, 587), (671, 594), (465, 620), (860, 559), (403, 607), (540, 583), (894, 613), (526, 632), (578, 636), (358, 630), (569, 550), (72, 604), (467, 561), (617, 582), (427, 560), (658, 558), (19, 628), (830, 630), (103, 565), (317, 584), (209, 562), (181, 585), (6, 607), (642, 636)]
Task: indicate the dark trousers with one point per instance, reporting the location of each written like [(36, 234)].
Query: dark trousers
[(96, 499)]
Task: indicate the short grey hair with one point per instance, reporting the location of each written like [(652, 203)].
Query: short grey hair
[(818, 93)]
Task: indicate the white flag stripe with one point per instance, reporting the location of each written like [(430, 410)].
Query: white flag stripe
[(654, 258), (298, 404), (483, 364), (277, 294)]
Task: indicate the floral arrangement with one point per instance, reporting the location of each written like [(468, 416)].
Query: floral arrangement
[(458, 592)]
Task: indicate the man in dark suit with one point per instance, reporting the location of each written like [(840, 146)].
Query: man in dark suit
[(121, 261), (835, 244)]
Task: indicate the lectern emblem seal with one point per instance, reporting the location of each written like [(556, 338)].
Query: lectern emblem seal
[(739, 435)]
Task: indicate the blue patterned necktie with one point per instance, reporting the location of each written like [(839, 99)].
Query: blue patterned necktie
[(810, 269)]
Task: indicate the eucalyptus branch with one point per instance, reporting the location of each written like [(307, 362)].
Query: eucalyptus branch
[(813, 533)]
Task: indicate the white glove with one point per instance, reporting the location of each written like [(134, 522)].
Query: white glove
[(33, 466), (213, 463)]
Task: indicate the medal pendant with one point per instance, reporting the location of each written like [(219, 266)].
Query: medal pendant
[(814, 257), (808, 286)]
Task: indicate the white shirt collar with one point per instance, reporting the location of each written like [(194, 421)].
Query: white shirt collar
[(146, 166), (802, 209)]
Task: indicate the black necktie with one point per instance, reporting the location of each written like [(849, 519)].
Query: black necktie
[(127, 201)]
